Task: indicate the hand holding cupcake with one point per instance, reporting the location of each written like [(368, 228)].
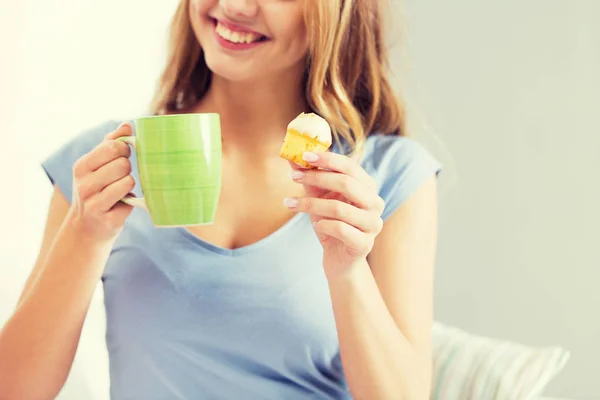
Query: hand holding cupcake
[(341, 197)]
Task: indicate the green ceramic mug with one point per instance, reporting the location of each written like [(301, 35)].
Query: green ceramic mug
[(179, 163)]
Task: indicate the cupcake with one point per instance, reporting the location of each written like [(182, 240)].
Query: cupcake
[(306, 133)]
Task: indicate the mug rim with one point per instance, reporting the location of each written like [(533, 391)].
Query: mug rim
[(179, 115)]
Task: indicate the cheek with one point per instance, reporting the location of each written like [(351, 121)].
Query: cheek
[(198, 11), (293, 39), (201, 7)]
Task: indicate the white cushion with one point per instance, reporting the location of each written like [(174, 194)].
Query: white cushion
[(468, 366)]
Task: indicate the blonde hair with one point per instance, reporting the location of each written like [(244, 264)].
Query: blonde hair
[(345, 80)]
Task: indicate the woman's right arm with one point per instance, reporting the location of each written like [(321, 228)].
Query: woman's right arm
[(38, 342)]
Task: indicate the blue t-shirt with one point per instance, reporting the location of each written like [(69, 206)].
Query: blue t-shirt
[(190, 320)]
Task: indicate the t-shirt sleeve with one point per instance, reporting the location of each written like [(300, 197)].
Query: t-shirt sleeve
[(59, 165), (402, 166)]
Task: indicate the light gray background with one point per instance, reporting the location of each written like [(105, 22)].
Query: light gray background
[(505, 92)]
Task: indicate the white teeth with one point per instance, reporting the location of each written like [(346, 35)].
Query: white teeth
[(236, 37)]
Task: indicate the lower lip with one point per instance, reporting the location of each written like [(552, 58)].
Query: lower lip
[(235, 46)]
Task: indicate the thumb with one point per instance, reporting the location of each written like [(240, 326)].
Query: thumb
[(125, 129)]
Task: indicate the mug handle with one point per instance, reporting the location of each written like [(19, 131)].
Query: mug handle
[(130, 198)]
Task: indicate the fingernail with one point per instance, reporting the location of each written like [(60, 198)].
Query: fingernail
[(297, 175), (124, 124), (290, 203), (310, 157)]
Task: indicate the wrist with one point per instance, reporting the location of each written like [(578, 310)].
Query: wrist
[(83, 234), (353, 274)]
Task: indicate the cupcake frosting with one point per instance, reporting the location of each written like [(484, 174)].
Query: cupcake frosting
[(312, 125)]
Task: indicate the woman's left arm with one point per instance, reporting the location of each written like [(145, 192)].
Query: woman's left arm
[(383, 302), (384, 308)]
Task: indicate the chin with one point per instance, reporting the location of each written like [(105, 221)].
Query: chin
[(231, 71)]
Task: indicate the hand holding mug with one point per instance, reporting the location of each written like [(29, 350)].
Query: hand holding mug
[(179, 163), (101, 179)]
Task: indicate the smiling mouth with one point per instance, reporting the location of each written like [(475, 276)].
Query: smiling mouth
[(237, 36)]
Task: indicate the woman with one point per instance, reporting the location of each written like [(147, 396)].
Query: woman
[(326, 296)]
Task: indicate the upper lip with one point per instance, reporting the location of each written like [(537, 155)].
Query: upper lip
[(238, 28)]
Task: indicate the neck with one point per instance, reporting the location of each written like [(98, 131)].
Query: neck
[(254, 114)]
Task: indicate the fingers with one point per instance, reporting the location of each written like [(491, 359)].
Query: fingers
[(310, 191), (339, 163), (341, 174), (363, 220), (112, 194), (104, 153), (295, 166), (355, 222), (104, 176), (119, 211), (351, 188), (125, 129), (357, 242)]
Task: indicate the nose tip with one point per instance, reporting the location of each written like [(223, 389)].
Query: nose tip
[(239, 8)]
